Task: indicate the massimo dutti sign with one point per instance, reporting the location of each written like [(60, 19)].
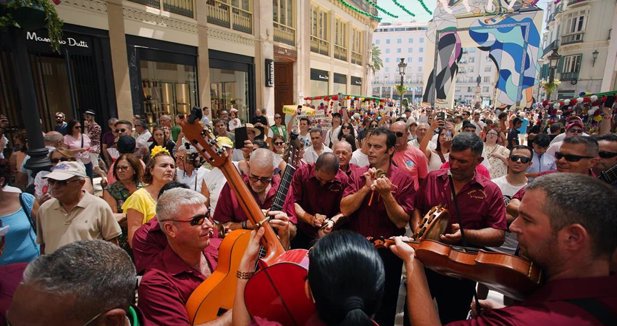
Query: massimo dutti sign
[(67, 41)]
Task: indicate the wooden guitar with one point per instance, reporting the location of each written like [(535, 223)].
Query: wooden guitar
[(216, 294)]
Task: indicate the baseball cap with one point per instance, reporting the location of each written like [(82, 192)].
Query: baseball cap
[(90, 112), (224, 142), (126, 144), (67, 170)]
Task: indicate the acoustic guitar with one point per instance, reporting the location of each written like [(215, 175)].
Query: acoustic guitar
[(217, 293)]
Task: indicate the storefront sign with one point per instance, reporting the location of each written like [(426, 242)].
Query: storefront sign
[(317, 74), (32, 36), (269, 73), (356, 81)]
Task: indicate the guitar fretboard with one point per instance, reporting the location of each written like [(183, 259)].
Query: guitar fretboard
[(281, 194), (609, 176)]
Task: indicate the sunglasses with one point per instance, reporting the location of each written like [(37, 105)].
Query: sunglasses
[(60, 182), (570, 157), (604, 154), (77, 127), (255, 178), (522, 159), (120, 130), (195, 220), (399, 134), (278, 143), (346, 127)]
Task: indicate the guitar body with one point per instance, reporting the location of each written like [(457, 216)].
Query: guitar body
[(216, 294), (278, 292)]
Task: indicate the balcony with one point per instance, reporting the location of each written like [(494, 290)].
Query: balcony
[(340, 52), (356, 58), (564, 76), (575, 2), (320, 46), (178, 7), (221, 13), (572, 38), (284, 34), (552, 46)]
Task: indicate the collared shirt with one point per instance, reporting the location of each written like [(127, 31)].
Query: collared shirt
[(310, 155), (316, 198), (413, 161), (373, 220), (551, 304), (228, 208), (91, 219), (542, 163), (480, 201), (167, 286)]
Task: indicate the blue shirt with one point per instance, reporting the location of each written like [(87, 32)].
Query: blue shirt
[(524, 125), (20, 245)]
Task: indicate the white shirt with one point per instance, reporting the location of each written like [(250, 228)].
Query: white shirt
[(3, 142), (332, 136), (507, 190), (310, 155), (144, 138), (542, 163), (358, 158), (194, 180), (215, 180)]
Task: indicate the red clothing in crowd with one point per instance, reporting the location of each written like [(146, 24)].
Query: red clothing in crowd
[(315, 198), (553, 304), (480, 201), (167, 285), (373, 220), (414, 161)]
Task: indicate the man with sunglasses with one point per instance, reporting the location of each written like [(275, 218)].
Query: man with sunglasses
[(263, 184), (574, 128), (73, 214), (278, 128), (577, 154), (607, 163), (408, 157)]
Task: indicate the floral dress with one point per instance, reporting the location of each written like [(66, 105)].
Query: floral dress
[(497, 168), (119, 192)]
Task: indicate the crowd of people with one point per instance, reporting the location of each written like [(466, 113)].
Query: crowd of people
[(538, 183)]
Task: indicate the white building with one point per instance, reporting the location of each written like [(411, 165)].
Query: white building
[(400, 40), (476, 78)]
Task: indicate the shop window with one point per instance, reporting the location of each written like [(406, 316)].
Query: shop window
[(229, 89)]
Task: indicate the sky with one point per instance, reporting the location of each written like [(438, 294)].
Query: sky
[(415, 7)]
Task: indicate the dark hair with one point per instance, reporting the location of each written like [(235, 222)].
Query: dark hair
[(607, 137), (22, 136), (527, 148), (573, 198), (502, 115), (591, 145), (5, 172), (352, 133), (147, 177), (555, 127), (542, 140), (172, 185), (347, 277), (516, 121), (467, 140), (260, 143), (135, 164), (71, 125), (390, 136), (327, 162), (155, 129), (351, 140), (126, 144), (308, 121)]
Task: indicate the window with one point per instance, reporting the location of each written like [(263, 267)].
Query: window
[(319, 26), (574, 27), (387, 61), (485, 89), (469, 89), (487, 69), (420, 59), (410, 59), (422, 40), (357, 41), (398, 50), (283, 12), (570, 67), (387, 41), (387, 51), (377, 42), (421, 50), (409, 50), (398, 41), (410, 40), (486, 79)]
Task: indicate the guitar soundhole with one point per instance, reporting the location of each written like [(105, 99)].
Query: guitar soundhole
[(221, 312)]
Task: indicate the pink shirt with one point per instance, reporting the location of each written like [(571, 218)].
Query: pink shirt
[(73, 143), (413, 161)]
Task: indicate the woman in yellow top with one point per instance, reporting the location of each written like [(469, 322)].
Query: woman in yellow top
[(140, 207)]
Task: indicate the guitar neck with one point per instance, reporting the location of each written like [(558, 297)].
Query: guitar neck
[(609, 176), (281, 194), (250, 208)]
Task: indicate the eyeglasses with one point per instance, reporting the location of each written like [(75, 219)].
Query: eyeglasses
[(255, 178), (570, 157), (399, 134), (122, 168), (195, 220), (575, 131), (61, 182), (604, 154), (522, 159), (61, 159), (120, 130), (278, 143)]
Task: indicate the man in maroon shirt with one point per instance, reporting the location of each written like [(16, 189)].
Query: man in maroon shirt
[(317, 190), (568, 227), (381, 206), (481, 214), (263, 185)]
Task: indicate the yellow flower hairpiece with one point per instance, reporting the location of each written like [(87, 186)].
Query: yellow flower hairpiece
[(158, 150)]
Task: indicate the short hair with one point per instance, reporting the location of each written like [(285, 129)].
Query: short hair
[(135, 165), (70, 125), (126, 144), (124, 122), (467, 140), (112, 120), (169, 203), (527, 148), (53, 137), (555, 127), (607, 137), (260, 143), (172, 185), (316, 129), (390, 136), (591, 145), (542, 140), (327, 162), (262, 157), (516, 121), (99, 274), (347, 278), (147, 177), (308, 121), (573, 198)]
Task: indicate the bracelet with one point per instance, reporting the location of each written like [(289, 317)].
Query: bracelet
[(244, 275)]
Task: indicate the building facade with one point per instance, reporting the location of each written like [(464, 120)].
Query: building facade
[(584, 33), (153, 57), (476, 78)]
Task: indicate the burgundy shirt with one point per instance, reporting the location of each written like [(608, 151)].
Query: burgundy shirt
[(315, 198), (167, 286), (373, 220), (228, 209), (480, 201), (550, 305), (149, 240)]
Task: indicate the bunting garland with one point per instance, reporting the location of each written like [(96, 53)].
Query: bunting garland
[(361, 12), (381, 9), (404, 9), (424, 6)]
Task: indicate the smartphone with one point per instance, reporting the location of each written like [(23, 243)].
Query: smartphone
[(441, 116), (240, 136)]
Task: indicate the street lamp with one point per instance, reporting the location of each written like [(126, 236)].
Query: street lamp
[(594, 55), (553, 61), (401, 69)]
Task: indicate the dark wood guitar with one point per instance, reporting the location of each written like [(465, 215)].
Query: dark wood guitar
[(216, 295)]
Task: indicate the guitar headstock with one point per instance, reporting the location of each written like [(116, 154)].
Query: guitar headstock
[(292, 156), (203, 139)]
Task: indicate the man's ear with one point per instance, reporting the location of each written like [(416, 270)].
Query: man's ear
[(114, 317), (575, 236)]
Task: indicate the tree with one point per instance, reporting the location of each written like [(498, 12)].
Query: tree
[(400, 89), (376, 55), (32, 15)]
